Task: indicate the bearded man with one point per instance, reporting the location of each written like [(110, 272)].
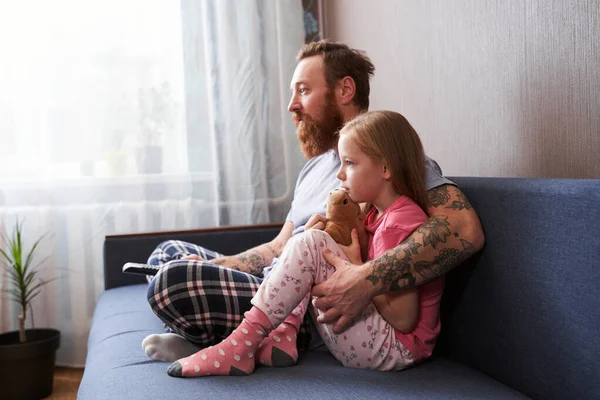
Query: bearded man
[(192, 294)]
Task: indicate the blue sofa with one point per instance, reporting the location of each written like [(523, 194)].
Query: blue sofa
[(519, 319)]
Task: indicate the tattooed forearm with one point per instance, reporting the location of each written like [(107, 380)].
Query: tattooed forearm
[(446, 260), (445, 240), (227, 262), (272, 249), (386, 267), (398, 267), (251, 261), (435, 230), (412, 246), (254, 260), (394, 262)]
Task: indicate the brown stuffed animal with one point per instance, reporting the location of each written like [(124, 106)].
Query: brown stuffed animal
[(343, 215)]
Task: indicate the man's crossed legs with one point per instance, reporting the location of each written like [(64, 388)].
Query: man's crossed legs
[(202, 303)]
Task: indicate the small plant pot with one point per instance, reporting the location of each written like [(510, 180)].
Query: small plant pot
[(149, 159), (27, 369), (116, 163)]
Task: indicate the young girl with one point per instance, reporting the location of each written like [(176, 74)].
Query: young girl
[(382, 164)]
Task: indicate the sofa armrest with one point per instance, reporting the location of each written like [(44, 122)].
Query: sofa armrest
[(119, 249)]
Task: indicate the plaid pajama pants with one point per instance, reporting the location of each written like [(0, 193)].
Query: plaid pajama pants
[(201, 301)]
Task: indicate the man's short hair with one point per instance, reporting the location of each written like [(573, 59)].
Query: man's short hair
[(341, 61)]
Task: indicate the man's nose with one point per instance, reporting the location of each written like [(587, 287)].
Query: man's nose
[(294, 105)]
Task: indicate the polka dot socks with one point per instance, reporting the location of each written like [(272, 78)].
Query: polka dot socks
[(233, 356), (279, 349)]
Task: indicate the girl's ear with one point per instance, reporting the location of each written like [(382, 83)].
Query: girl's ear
[(387, 172)]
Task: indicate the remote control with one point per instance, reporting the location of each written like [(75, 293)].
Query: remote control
[(140, 269)]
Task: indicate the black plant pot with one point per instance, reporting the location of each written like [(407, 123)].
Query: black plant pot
[(27, 369)]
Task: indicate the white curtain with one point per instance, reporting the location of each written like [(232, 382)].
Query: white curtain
[(138, 115)]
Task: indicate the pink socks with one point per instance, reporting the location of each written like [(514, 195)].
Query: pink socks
[(233, 356), (279, 349)]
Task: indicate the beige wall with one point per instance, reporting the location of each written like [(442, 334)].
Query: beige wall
[(494, 88)]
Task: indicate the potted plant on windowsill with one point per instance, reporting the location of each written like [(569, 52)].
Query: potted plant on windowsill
[(157, 118), (121, 123), (27, 356)]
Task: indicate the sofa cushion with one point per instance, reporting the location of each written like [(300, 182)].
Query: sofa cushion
[(525, 310), (117, 366)]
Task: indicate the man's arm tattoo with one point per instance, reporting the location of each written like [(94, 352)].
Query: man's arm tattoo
[(397, 268), (462, 203), (438, 196), (435, 230), (394, 267), (447, 259), (275, 252), (254, 260), (222, 261), (388, 266)]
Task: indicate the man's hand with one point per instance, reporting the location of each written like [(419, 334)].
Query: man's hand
[(344, 295)]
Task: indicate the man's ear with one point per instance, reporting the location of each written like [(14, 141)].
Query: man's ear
[(347, 90)]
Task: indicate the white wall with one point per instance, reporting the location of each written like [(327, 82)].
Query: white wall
[(494, 88)]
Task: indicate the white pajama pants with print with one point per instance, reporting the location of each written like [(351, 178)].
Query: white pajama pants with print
[(370, 342)]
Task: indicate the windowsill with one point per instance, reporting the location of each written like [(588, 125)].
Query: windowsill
[(111, 189), (100, 181)]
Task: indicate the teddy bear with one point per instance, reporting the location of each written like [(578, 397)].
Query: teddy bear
[(343, 215)]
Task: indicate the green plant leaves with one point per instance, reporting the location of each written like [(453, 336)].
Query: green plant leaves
[(26, 284)]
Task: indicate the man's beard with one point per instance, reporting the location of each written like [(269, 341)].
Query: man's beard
[(317, 138)]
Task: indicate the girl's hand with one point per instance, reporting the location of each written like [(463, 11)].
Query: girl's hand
[(191, 257), (317, 221), (352, 252)]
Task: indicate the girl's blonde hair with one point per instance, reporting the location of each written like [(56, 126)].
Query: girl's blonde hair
[(387, 136)]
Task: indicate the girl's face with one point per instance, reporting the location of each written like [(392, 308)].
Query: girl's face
[(361, 176)]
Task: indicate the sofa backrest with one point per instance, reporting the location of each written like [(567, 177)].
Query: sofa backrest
[(119, 249), (526, 309)]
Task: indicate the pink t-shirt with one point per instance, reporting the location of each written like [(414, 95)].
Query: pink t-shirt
[(396, 223)]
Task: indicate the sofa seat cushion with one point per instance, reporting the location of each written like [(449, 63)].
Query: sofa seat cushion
[(117, 366)]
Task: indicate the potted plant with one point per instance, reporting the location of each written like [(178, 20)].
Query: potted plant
[(27, 356), (157, 118), (121, 122)]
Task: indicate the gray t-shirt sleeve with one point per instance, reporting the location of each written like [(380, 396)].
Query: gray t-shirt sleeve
[(433, 175)]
